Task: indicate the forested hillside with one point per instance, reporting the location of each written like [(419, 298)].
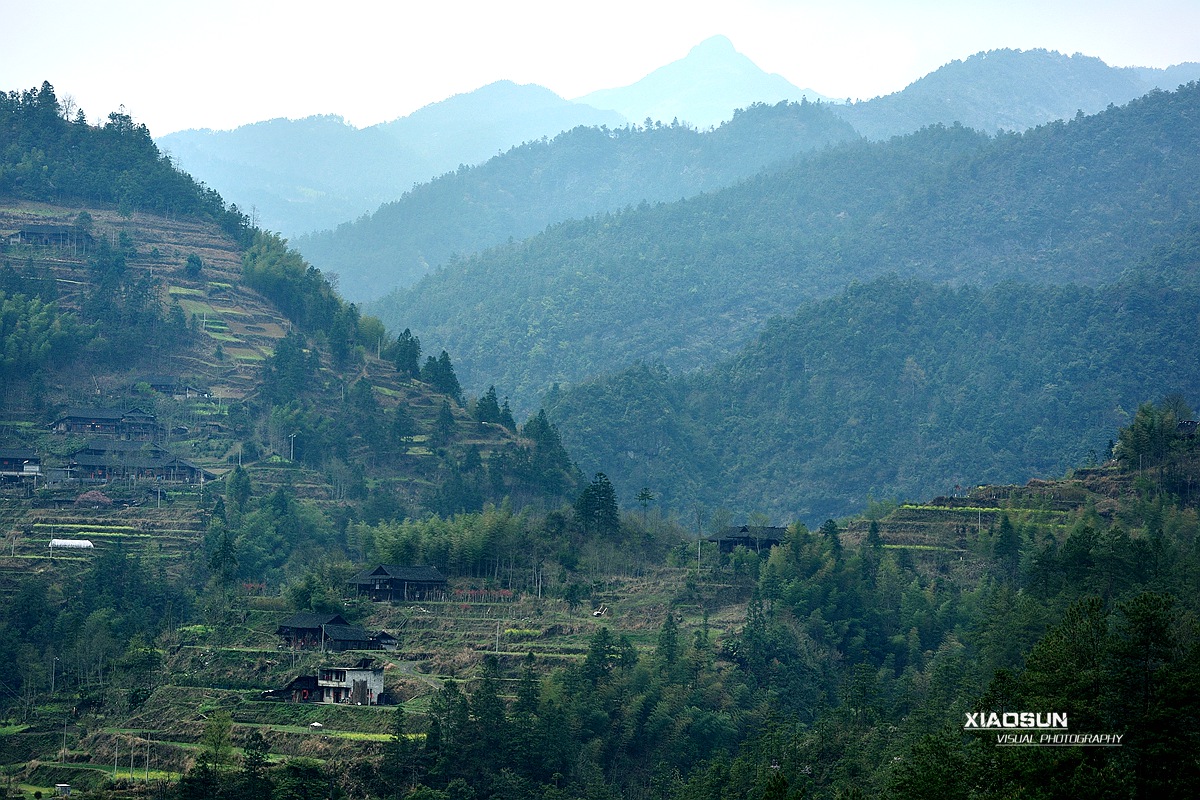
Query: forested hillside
[(52, 154), (842, 662), (688, 283), (582, 172), (893, 389)]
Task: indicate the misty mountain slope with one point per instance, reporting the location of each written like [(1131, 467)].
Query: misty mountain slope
[(892, 389), (688, 283), (701, 89), (1010, 90), (308, 175), (311, 174), (584, 171), (472, 127)]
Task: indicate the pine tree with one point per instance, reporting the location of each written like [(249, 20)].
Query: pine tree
[(407, 354), (829, 530), (487, 408), (506, 416), (667, 650), (443, 428), (874, 540), (439, 373), (596, 508), (1007, 549), (238, 488)]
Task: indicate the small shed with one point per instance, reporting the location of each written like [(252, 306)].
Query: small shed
[(302, 689), (345, 637), (171, 385), (306, 629), (382, 640)]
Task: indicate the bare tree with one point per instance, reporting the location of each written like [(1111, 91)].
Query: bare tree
[(67, 106)]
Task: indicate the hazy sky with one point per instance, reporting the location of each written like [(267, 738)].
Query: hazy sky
[(223, 63)]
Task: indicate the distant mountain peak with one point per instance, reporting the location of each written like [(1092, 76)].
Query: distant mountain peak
[(713, 45), (703, 88)]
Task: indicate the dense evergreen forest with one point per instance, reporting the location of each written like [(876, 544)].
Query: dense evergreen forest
[(896, 389), (581, 172), (688, 283)]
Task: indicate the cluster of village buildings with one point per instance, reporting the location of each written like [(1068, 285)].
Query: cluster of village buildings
[(360, 683), (122, 443)]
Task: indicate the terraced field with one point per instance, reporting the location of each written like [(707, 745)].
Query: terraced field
[(148, 532), (238, 320)]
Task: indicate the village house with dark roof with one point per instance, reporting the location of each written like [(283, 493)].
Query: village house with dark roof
[(382, 640), (331, 633), (52, 236), (304, 629), (339, 638), (115, 459), (19, 463), (132, 424), (389, 583), (758, 539)]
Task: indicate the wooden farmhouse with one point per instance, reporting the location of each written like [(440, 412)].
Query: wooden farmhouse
[(116, 459), (52, 236), (758, 539), (305, 630), (330, 633), (388, 583), (339, 638), (18, 463), (385, 641), (132, 424)]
